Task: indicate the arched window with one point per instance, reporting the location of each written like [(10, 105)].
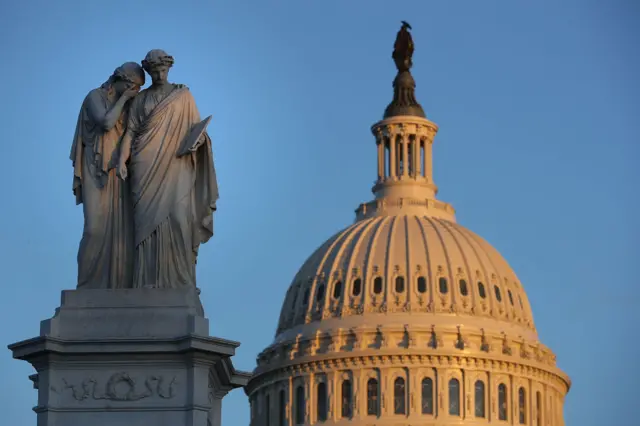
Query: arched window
[(300, 405), (427, 395), (267, 410), (282, 408), (479, 399), (497, 291), (422, 285), (399, 284), (377, 285), (347, 397), (538, 409), (502, 401), (399, 396), (481, 291), (510, 297), (442, 283), (372, 397), (337, 289), (454, 397), (357, 287), (464, 289), (321, 401), (320, 293), (522, 406)]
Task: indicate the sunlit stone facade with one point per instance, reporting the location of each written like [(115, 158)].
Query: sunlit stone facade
[(406, 317)]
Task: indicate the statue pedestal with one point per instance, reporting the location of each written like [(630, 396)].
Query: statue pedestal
[(135, 357)]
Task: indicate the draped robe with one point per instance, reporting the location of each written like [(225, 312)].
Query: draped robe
[(173, 197), (105, 255)]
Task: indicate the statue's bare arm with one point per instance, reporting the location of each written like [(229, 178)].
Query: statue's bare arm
[(107, 118)]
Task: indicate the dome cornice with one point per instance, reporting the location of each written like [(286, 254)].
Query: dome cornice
[(406, 340)]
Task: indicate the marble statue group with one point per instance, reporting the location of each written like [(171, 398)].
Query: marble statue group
[(144, 174)]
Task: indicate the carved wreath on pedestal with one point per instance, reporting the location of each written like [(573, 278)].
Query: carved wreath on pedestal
[(120, 387)]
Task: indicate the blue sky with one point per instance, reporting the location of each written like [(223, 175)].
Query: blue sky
[(537, 104)]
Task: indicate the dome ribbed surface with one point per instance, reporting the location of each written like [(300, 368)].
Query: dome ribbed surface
[(406, 265)]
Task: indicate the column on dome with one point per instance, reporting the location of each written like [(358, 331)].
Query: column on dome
[(557, 418), (537, 392), (492, 389), (284, 410), (442, 390), (513, 391), (428, 158), (530, 401), (268, 404), (467, 383), (310, 388), (356, 377), (331, 379), (359, 400), (385, 393), (392, 153), (549, 408), (381, 153), (417, 166), (404, 137), (413, 386)]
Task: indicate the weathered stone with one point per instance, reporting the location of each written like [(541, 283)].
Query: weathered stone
[(135, 357)]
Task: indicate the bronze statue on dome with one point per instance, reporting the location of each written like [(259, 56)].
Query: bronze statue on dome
[(403, 48)]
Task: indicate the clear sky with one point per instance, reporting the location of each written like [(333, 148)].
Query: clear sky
[(538, 107)]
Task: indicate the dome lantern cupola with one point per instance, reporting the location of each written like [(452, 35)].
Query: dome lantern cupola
[(403, 138)]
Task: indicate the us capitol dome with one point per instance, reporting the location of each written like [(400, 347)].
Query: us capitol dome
[(406, 317)]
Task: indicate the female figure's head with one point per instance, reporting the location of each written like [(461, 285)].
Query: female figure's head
[(127, 76), (157, 64)]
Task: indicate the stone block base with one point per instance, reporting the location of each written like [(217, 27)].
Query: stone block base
[(135, 357)]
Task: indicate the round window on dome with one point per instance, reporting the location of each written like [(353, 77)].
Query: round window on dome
[(481, 290), (442, 283), (464, 289), (320, 293), (497, 291), (337, 289), (377, 285), (357, 287), (399, 284), (422, 285)]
